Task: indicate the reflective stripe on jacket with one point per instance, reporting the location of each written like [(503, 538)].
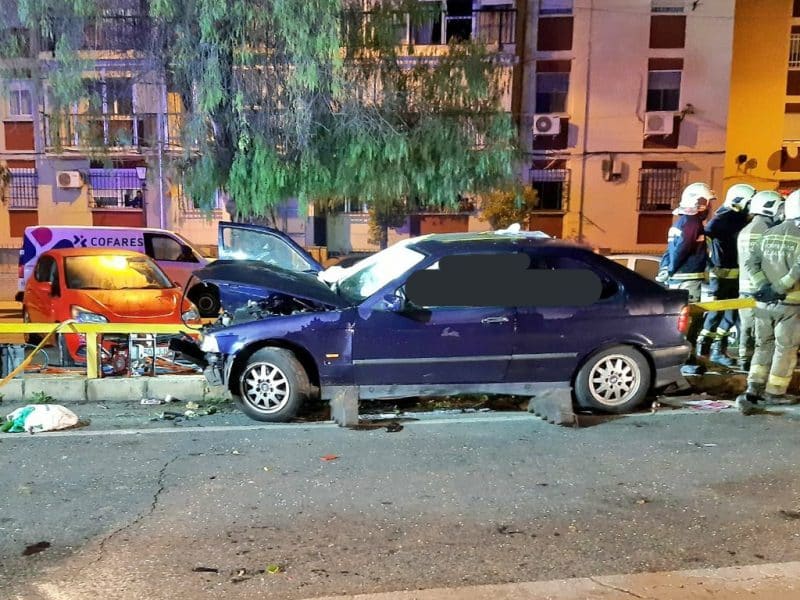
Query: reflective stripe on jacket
[(686, 249), (776, 260), (748, 238)]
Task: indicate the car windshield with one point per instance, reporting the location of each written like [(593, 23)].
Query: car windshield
[(376, 271), (113, 272)]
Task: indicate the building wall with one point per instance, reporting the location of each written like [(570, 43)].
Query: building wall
[(758, 94), (606, 109)]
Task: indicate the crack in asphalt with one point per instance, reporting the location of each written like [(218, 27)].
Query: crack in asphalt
[(611, 587), (141, 516)]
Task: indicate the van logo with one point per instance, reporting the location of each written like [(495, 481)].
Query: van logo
[(79, 241)]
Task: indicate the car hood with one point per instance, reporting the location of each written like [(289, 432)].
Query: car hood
[(133, 304), (305, 286)]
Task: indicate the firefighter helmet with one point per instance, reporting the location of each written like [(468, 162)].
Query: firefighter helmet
[(695, 199), (739, 196), (792, 206), (768, 203)]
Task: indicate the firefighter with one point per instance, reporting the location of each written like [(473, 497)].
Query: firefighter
[(774, 266), (683, 266), (766, 210), (723, 273)]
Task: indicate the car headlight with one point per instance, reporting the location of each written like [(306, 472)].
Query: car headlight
[(82, 315), (209, 344), (192, 314)]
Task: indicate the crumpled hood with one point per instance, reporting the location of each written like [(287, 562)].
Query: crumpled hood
[(134, 304), (304, 286)]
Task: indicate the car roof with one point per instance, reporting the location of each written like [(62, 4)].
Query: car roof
[(438, 243), (91, 252)]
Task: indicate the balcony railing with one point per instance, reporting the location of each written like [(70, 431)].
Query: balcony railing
[(794, 51), (491, 27), (87, 131)]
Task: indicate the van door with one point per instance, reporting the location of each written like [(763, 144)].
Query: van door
[(177, 259), (241, 241)]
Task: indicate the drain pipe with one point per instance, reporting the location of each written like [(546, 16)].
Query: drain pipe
[(586, 122)]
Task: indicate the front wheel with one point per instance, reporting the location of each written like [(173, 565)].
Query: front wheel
[(615, 380), (273, 386), (206, 299), (30, 338)]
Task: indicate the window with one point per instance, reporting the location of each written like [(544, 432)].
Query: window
[(551, 87), (19, 102), (555, 7), (22, 190), (794, 48), (663, 90), (162, 247), (659, 186), (193, 208), (552, 186), (609, 287), (45, 270), (116, 188)]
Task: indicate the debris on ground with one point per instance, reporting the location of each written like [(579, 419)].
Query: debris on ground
[(35, 548), (205, 570), (35, 418), (714, 405), (700, 445), (328, 457)]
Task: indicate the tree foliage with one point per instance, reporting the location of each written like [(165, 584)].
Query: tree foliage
[(308, 99), (502, 208)]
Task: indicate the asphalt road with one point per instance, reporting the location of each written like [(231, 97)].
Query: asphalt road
[(497, 498)]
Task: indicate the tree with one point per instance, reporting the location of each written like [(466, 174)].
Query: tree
[(382, 216), (308, 99), (502, 208)]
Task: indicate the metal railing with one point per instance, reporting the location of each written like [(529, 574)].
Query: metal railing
[(139, 130), (22, 191), (552, 187), (659, 189), (794, 51), (115, 188)]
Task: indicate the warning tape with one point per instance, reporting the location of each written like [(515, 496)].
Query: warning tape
[(720, 305), (29, 359)]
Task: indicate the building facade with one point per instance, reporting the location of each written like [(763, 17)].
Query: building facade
[(764, 126), (627, 102)]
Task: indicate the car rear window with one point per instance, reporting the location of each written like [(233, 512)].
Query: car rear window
[(113, 272)]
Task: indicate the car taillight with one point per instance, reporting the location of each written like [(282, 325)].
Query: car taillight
[(20, 271), (683, 320)]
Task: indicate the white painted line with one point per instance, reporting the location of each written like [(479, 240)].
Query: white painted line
[(774, 581)]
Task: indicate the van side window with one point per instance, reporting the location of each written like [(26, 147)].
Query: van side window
[(45, 270), (162, 247)]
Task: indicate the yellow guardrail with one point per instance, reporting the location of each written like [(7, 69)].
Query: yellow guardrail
[(91, 330)]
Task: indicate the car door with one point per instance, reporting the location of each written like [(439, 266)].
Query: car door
[(549, 340), (178, 260), (38, 299), (241, 241), (432, 344)]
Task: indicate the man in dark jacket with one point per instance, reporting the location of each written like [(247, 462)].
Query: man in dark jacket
[(722, 232)]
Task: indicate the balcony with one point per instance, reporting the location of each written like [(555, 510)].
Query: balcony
[(137, 133), (794, 51), (493, 27)]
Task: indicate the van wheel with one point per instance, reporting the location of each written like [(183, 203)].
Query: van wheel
[(30, 338), (206, 299)]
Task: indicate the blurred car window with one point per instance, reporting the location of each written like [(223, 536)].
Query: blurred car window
[(244, 244), (112, 272), (647, 267)]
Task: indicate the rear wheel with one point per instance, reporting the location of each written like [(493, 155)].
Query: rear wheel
[(615, 380), (273, 386), (30, 338)]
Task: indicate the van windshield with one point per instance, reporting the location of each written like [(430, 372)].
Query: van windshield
[(113, 272)]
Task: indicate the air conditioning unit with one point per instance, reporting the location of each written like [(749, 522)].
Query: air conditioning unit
[(546, 124), (69, 179), (612, 169), (658, 123)]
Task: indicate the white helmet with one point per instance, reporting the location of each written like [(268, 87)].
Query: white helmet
[(768, 203), (739, 196), (695, 199), (792, 207)]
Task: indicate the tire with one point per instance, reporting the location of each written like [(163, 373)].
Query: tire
[(66, 357), (601, 367), (30, 338), (289, 383), (206, 299)]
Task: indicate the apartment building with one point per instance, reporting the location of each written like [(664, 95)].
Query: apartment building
[(763, 145), (627, 102)]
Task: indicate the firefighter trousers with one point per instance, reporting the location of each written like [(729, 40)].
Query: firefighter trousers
[(747, 333), (718, 323), (777, 340)]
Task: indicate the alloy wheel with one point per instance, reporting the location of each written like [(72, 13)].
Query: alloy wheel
[(614, 379), (265, 387)]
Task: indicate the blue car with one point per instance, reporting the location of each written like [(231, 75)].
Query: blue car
[(249, 257), (509, 313)]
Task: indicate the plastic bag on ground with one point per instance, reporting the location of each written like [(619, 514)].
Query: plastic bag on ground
[(35, 418)]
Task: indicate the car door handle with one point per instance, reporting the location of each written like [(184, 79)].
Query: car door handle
[(489, 320)]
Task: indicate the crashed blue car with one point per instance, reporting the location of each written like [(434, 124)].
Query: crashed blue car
[(565, 317)]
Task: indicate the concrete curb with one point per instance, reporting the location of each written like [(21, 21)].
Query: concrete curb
[(78, 389)]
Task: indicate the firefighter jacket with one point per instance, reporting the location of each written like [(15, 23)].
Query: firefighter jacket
[(686, 249), (721, 234), (749, 237), (776, 260)]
